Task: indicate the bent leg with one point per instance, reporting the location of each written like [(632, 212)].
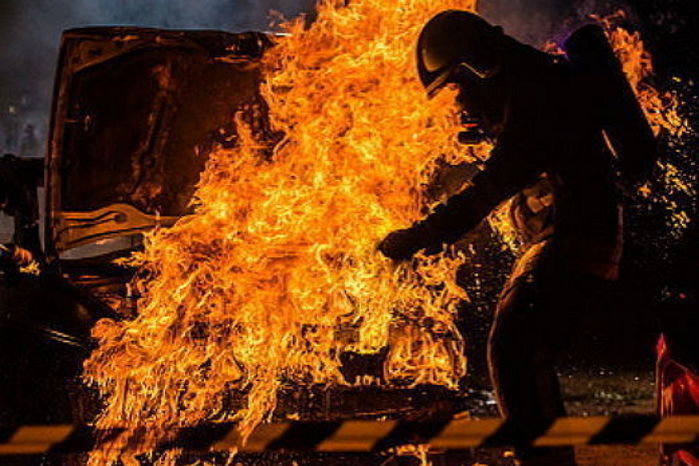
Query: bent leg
[(521, 360)]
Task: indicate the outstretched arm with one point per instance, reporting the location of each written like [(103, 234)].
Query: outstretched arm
[(512, 165)]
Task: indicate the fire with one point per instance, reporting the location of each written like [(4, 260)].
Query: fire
[(251, 292), (661, 108), (261, 287), (663, 113)]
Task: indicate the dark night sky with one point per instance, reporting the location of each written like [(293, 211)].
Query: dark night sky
[(30, 31)]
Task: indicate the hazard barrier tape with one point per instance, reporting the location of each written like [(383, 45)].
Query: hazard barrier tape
[(367, 436)]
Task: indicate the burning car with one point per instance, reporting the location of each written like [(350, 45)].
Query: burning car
[(137, 113)]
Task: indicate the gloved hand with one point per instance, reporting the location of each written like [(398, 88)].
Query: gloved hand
[(22, 257), (403, 244), (15, 255)]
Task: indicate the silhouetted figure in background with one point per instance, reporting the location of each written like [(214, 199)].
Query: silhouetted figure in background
[(29, 147), (19, 179), (546, 118)]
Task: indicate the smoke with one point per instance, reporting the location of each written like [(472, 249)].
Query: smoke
[(537, 22), (30, 32)]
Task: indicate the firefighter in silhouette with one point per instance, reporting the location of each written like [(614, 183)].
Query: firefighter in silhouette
[(551, 123)]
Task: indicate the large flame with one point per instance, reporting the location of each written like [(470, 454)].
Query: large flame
[(255, 289), (276, 274)]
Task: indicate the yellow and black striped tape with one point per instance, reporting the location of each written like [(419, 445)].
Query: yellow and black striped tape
[(367, 436)]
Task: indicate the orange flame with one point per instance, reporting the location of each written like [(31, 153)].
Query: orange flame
[(660, 107), (250, 292)]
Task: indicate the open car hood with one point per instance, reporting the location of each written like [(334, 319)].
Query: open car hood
[(135, 112)]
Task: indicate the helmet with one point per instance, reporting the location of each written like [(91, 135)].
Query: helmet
[(457, 39)]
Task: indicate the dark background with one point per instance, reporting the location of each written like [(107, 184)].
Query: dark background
[(30, 33)]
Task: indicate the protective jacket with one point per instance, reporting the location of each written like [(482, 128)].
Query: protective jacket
[(545, 122)]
